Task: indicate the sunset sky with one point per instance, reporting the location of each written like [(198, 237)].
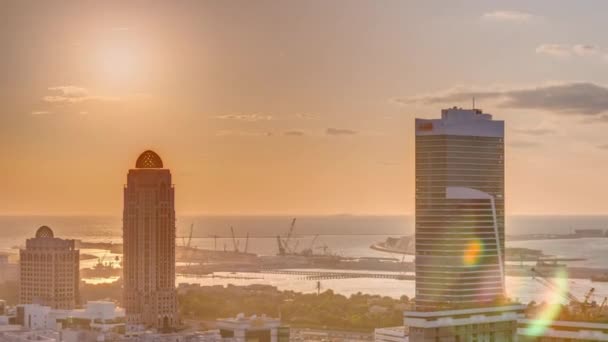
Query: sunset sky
[(294, 107)]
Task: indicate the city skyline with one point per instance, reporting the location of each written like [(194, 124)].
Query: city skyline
[(294, 108)]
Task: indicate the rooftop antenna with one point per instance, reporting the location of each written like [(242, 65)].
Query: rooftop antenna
[(473, 102)]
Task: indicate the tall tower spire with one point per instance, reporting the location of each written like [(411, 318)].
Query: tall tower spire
[(149, 246)]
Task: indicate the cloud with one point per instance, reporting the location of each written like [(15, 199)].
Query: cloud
[(507, 16), (534, 131), (244, 117), (593, 120), (70, 91), (40, 112), (73, 94), (294, 133), (603, 147), (564, 98), (567, 50), (523, 144), (556, 50), (339, 131), (586, 49)]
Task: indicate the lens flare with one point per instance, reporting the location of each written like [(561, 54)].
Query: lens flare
[(473, 252), (552, 309)]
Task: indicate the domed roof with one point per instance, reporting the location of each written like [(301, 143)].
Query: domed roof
[(44, 232), (149, 160)]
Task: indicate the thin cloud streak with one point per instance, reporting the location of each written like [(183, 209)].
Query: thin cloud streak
[(565, 98), (534, 131), (294, 133), (41, 112), (339, 131), (523, 144), (73, 94), (244, 117), (507, 16), (567, 50)]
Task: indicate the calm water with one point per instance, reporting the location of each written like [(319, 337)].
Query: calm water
[(344, 234)]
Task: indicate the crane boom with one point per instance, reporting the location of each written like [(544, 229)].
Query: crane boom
[(190, 237), (280, 245), (289, 235), (312, 244), (236, 245), (544, 280)]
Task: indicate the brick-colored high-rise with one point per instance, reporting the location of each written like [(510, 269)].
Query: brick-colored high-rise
[(150, 297), (49, 271)]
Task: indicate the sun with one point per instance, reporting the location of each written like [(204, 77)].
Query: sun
[(120, 63)]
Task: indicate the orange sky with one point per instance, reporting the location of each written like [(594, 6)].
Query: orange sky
[(291, 107)]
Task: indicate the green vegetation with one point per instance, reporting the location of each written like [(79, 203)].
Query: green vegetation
[(110, 291), (360, 312)]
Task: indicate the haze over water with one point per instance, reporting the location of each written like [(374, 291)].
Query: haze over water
[(346, 235)]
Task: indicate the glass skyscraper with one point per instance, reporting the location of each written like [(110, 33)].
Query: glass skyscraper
[(460, 210)]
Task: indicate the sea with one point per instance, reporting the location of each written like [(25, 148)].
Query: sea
[(345, 235)]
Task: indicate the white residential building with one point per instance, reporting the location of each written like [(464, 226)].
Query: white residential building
[(259, 328), (391, 334)]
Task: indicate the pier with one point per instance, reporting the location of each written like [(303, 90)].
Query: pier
[(323, 275)]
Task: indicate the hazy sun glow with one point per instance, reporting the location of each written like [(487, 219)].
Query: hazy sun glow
[(119, 62)]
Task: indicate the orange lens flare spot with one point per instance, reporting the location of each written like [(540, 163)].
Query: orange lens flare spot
[(472, 252)]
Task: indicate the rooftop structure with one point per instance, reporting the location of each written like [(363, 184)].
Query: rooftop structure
[(529, 330), (259, 328), (392, 334), (149, 160), (476, 324)]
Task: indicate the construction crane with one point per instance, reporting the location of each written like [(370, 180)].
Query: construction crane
[(588, 296), (603, 306), (280, 245), (234, 242), (310, 250), (214, 241), (289, 236), (190, 236), (246, 243), (312, 243), (325, 249), (586, 308), (547, 282)]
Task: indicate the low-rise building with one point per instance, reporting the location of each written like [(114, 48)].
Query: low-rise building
[(258, 328), (392, 334), (98, 321), (534, 330), (28, 336), (497, 323), (198, 336)]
